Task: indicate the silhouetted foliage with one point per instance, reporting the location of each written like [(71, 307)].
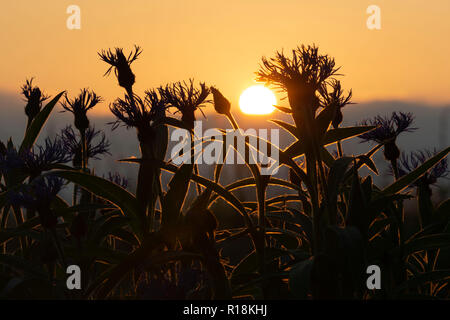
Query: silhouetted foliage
[(314, 240)]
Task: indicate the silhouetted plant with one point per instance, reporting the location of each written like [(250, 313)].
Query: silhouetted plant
[(97, 144), (386, 132), (139, 114), (221, 104), (118, 179), (39, 195), (186, 98), (46, 157), (34, 98), (80, 105), (121, 65), (313, 241), (143, 114), (409, 162), (34, 162), (336, 97)]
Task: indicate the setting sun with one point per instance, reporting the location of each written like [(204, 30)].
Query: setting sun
[(257, 100)]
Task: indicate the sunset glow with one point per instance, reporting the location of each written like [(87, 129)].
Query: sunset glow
[(177, 46)]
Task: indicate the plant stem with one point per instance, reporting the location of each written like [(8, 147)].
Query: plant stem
[(59, 248), (312, 174), (232, 121), (260, 235), (403, 272), (339, 148), (84, 155)]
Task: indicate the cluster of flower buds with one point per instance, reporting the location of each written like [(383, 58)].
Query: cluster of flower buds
[(34, 98)]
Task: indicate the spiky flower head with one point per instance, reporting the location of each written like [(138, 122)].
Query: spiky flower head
[(305, 70), (186, 98), (335, 98), (80, 105), (137, 112), (34, 98), (33, 162), (300, 76), (45, 157), (10, 158), (96, 144), (221, 104), (12, 163), (409, 162), (118, 179), (121, 64), (387, 130)]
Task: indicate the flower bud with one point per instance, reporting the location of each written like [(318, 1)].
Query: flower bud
[(117, 60), (391, 151), (81, 121), (33, 106), (80, 105), (221, 104), (188, 118), (125, 76)]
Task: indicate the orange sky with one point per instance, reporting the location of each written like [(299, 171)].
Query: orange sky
[(221, 43)]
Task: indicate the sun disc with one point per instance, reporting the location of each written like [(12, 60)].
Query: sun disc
[(257, 99)]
